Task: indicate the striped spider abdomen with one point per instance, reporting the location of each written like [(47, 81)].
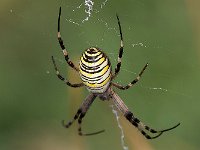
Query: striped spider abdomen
[(95, 70)]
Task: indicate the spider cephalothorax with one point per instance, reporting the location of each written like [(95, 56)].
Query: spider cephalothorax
[(95, 72)]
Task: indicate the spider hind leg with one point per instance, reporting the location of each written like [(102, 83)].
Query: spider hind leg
[(71, 122), (141, 127), (80, 129), (81, 114)]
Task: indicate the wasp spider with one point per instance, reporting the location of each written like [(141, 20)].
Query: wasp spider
[(95, 72)]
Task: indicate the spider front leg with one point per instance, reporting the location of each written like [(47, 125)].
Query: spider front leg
[(81, 113), (63, 79), (65, 53), (117, 68), (131, 83)]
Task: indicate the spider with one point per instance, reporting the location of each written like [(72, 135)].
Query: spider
[(95, 72)]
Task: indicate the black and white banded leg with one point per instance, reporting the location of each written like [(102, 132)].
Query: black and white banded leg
[(63, 79), (117, 68), (135, 121), (131, 83), (141, 127), (81, 113), (65, 53), (80, 129), (71, 122)]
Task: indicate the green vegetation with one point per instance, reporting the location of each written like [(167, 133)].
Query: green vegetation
[(33, 101)]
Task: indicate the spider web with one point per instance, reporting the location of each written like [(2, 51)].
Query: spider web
[(115, 112)]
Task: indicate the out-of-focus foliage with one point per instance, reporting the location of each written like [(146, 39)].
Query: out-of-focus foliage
[(33, 101)]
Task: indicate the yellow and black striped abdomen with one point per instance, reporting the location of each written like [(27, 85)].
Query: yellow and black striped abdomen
[(95, 70)]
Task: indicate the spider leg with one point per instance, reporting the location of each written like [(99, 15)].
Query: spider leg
[(117, 68), (80, 129), (135, 121), (63, 79), (141, 127), (80, 115), (121, 87), (65, 53), (70, 122)]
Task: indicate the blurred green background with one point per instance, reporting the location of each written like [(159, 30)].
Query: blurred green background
[(166, 34)]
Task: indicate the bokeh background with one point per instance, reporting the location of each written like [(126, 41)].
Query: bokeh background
[(166, 34)]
